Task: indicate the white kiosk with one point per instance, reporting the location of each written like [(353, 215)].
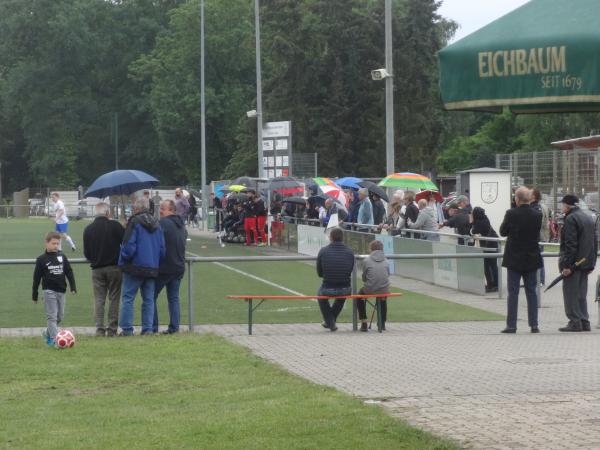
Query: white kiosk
[(488, 188)]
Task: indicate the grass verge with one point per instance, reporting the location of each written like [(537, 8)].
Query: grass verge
[(184, 391)]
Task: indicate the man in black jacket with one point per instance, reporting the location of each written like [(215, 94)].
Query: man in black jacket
[(101, 245), (577, 244), (459, 220), (172, 267), (522, 258), (335, 263)]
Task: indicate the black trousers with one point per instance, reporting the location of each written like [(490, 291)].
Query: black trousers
[(361, 305), (490, 270)]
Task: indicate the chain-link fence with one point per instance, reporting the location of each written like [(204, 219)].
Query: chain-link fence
[(556, 173)]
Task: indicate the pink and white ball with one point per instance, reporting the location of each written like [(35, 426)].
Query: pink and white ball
[(64, 339)]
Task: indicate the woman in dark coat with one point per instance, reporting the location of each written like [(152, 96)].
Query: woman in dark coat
[(481, 226)]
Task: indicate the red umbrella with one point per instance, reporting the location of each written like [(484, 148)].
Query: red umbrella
[(428, 193)]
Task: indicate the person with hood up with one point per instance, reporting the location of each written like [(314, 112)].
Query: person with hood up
[(142, 249), (172, 267), (426, 221), (480, 225), (376, 276)]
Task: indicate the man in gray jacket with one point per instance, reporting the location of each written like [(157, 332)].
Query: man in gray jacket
[(577, 258), (376, 276)]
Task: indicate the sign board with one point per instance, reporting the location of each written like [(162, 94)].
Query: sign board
[(311, 239), (277, 149)]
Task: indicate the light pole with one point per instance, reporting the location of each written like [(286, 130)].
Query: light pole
[(389, 91), (203, 124), (259, 119)]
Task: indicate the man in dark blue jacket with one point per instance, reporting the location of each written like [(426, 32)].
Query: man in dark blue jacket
[(172, 267), (142, 249), (335, 263), (577, 258)]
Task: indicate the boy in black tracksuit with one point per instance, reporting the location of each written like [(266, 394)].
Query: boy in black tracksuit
[(52, 269)]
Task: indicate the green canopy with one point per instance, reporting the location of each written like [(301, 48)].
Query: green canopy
[(541, 57)]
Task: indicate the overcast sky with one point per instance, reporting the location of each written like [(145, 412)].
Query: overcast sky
[(472, 15)]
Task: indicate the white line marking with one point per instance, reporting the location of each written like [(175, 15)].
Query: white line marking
[(254, 277)]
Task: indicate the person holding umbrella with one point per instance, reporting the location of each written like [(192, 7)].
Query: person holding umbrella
[(577, 243)]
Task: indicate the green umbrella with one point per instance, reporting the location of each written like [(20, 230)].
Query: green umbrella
[(541, 57), (408, 180)]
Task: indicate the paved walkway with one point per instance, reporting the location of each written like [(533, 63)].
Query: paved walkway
[(461, 380)]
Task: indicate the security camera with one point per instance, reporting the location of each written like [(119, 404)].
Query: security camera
[(380, 74), (251, 114)]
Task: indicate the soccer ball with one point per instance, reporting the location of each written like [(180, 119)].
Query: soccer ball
[(64, 339)]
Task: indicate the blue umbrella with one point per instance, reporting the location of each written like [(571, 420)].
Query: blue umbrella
[(349, 182), (120, 182)]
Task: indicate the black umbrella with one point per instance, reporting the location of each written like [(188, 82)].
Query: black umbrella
[(295, 200), (374, 189), (317, 200), (280, 183), (244, 181), (562, 277), (239, 197)]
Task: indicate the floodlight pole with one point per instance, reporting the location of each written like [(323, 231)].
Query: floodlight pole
[(389, 91), (203, 123), (259, 117)]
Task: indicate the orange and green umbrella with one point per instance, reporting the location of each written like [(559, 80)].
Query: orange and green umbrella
[(408, 180)]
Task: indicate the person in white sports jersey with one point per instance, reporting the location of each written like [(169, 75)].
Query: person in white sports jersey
[(61, 220)]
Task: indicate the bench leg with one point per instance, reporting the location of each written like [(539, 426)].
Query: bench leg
[(379, 318), (249, 315)]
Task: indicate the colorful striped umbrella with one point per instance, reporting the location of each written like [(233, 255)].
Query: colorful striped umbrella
[(408, 180), (329, 188)]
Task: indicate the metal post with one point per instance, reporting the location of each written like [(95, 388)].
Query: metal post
[(203, 123), (190, 297), (538, 289), (499, 276), (354, 290), (259, 117), (389, 91), (116, 141), (554, 175)]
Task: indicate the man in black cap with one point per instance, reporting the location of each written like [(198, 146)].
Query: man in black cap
[(578, 245)]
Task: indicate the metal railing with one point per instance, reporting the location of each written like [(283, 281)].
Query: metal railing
[(190, 260)]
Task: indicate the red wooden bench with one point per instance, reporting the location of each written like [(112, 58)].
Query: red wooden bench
[(262, 298)]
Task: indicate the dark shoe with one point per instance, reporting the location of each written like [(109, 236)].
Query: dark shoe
[(585, 325), (509, 330), (383, 327), (572, 327), (147, 333), (324, 325), (364, 327), (168, 332), (111, 333), (100, 332), (535, 330), (333, 326), (122, 334), (491, 289)]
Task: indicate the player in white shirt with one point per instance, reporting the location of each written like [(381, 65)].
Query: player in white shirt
[(61, 220)]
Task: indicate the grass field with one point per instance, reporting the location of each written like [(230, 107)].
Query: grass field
[(185, 391), (24, 239)]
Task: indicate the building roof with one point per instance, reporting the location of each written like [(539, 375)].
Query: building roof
[(586, 142), (484, 170)]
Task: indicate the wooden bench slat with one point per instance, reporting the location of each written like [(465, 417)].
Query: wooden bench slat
[(309, 297)]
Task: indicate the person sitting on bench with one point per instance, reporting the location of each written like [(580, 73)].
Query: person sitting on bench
[(335, 263), (376, 275)]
